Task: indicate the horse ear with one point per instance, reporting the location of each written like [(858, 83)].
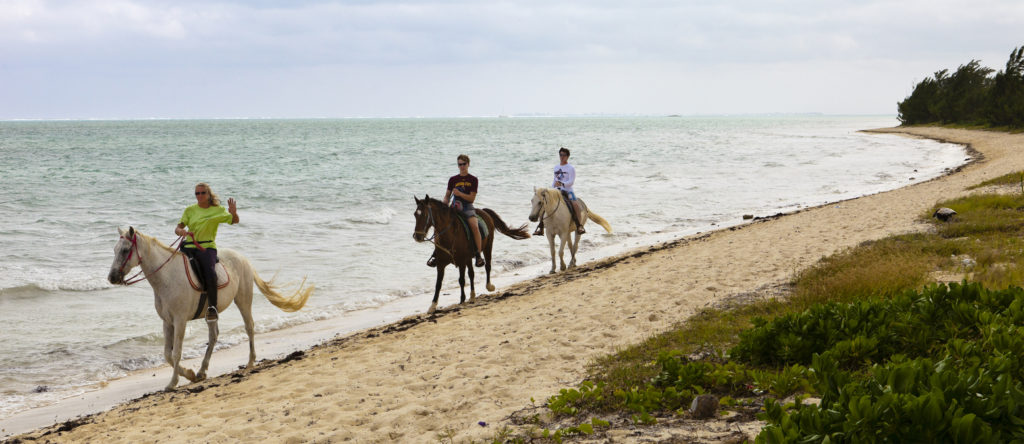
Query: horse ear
[(131, 231), (120, 231), (416, 199)]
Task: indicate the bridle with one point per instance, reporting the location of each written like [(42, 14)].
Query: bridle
[(432, 223), (134, 250), (544, 203)]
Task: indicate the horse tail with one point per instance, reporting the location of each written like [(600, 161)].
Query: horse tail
[(286, 303), (500, 225), (600, 220)]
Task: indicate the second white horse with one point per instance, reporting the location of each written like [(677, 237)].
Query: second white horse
[(548, 205)]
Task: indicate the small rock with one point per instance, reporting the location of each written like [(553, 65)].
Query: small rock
[(704, 406), (944, 214), (748, 216)]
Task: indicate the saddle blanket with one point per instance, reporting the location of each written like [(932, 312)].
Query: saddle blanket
[(222, 275)]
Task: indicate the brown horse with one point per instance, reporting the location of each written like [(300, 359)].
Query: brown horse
[(452, 245)]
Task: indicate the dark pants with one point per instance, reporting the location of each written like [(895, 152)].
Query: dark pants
[(207, 260)]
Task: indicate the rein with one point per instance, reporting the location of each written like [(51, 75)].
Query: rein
[(433, 239), (134, 279)]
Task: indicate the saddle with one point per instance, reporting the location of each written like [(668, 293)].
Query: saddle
[(192, 274), (469, 233), (576, 205)]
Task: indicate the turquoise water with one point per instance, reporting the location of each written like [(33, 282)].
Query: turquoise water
[(333, 200)]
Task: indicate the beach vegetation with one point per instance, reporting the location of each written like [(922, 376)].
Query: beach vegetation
[(911, 337), (971, 95)]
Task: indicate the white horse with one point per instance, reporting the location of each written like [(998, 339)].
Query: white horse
[(177, 301), (548, 204)]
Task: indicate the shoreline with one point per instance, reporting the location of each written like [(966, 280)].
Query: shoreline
[(617, 321)]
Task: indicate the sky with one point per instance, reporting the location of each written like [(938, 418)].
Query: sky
[(133, 59)]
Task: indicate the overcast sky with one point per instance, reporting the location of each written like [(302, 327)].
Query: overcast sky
[(264, 58)]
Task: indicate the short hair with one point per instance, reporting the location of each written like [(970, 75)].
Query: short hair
[(463, 157), (564, 150)]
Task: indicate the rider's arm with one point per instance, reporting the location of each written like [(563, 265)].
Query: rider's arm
[(468, 197), (447, 196), (570, 177)]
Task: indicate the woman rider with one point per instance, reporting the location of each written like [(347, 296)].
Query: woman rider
[(202, 220)]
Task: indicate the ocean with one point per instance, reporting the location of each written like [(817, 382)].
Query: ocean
[(332, 200)]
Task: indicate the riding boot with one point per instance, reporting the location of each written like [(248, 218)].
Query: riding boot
[(432, 262), (479, 260), (540, 229), (211, 311), (579, 228)]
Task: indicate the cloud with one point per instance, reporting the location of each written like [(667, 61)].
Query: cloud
[(199, 52)]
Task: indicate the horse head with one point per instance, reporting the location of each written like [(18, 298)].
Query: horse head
[(126, 255), (424, 218), (537, 204)]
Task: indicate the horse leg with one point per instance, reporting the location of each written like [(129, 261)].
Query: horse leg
[(575, 244), (214, 331), (437, 287), (551, 244), (472, 287), (178, 330), (462, 283), (487, 267), (169, 354), (250, 328), (563, 238)]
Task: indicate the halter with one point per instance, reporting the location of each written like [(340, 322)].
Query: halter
[(135, 250)]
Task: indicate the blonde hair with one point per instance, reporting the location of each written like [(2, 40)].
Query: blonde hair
[(214, 199)]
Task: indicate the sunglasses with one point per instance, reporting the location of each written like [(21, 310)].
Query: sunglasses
[(200, 193), (462, 164)]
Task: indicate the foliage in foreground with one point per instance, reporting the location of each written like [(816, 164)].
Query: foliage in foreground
[(846, 312)]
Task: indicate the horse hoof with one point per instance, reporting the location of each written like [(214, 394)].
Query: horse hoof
[(200, 377), (552, 271), (189, 374), (490, 287)]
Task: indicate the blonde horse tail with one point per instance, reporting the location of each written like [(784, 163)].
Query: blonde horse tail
[(286, 303), (600, 221)]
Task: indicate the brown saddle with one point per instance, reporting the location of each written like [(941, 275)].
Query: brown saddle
[(223, 279)]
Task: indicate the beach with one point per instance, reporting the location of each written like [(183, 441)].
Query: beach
[(462, 372)]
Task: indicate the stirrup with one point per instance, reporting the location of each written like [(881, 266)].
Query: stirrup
[(211, 314), (539, 231), (432, 262), (480, 261), (580, 230)]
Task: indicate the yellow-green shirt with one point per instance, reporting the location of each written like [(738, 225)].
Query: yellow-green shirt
[(204, 222)]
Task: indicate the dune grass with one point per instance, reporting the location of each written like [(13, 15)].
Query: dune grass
[(981, 244)]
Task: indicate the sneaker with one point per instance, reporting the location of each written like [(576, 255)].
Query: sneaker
[(432, 262), (211, 314), (479, 260), (580, 230)]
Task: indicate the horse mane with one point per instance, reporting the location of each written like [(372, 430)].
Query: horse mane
[(553, 195), (431, 200), (153, 240)]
